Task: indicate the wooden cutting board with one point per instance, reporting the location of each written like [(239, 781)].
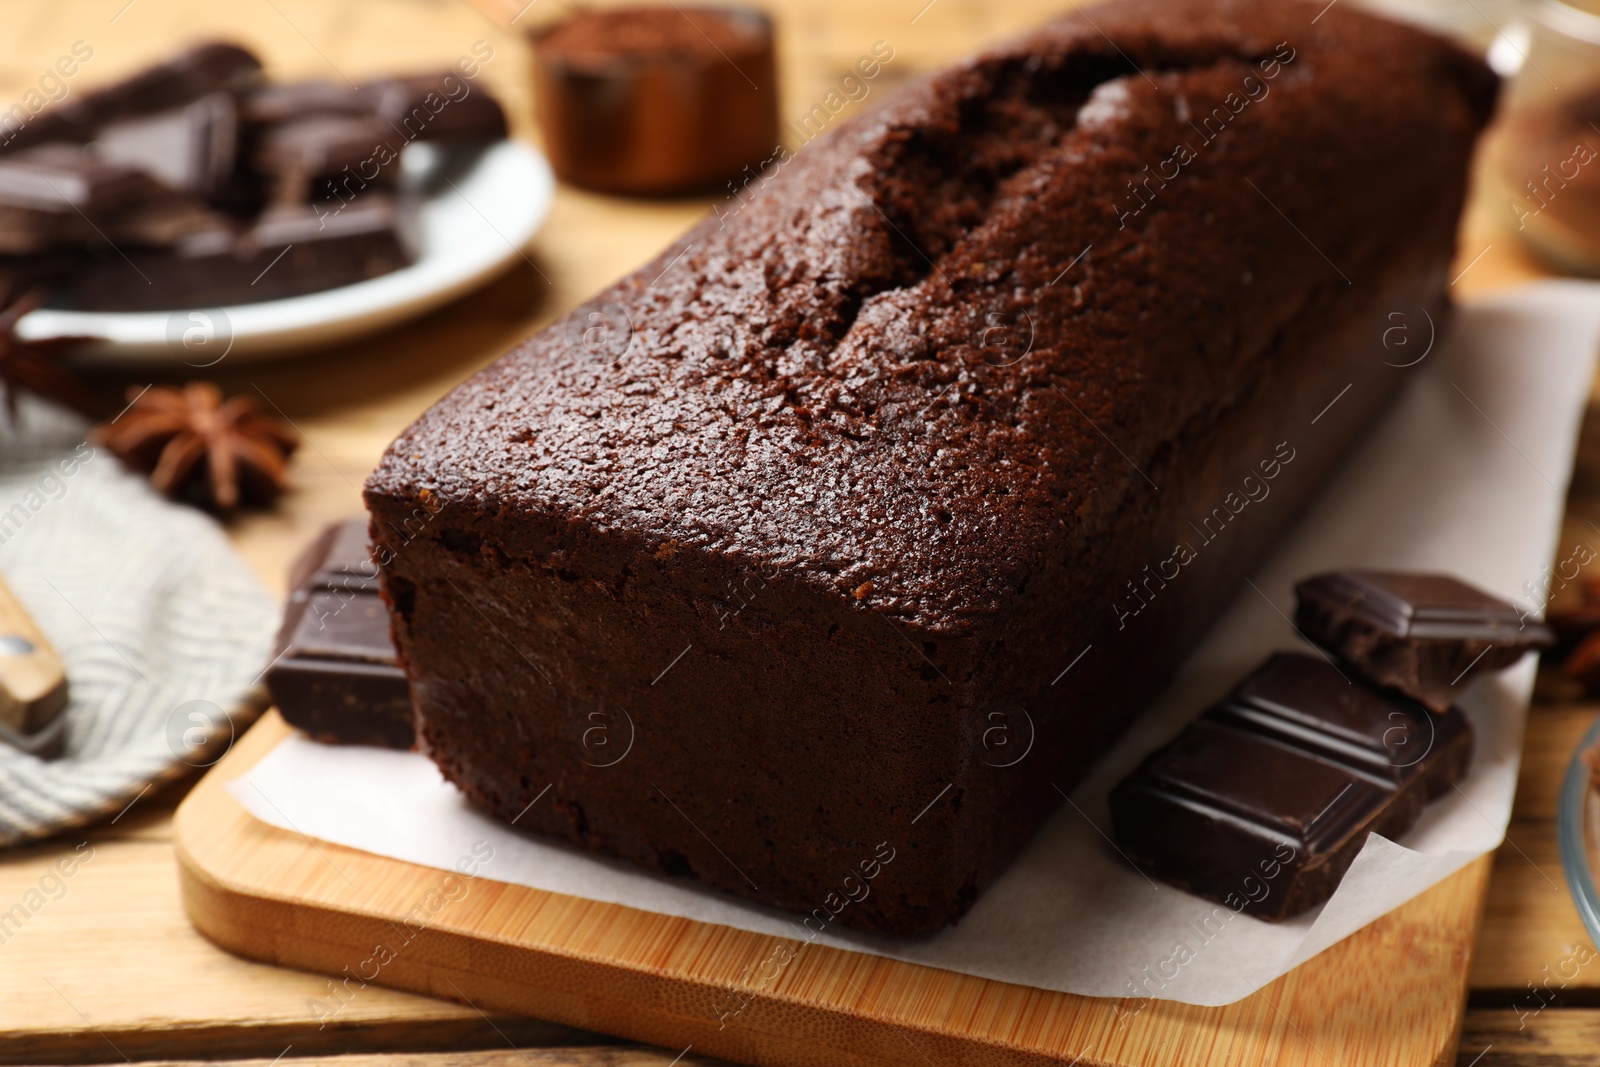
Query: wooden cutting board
[(1392, 994)]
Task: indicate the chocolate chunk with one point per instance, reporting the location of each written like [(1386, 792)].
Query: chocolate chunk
[(164, 221), (28, 231), (193, 149), (436, 107), (291, 250), (290, 101), (324, 156), (47, 268), (197, 72), (334, 675), (1264, 801), (70, 179), (338, 243), (57, 202), (1427, 635)]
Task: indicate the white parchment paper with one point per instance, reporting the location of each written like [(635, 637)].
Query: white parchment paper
[(1467, 474)]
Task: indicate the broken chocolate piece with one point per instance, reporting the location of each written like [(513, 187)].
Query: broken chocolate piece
[(70, 179), (116, 203), (1427, 635), (291, 250), (192, 149), (338, 243), (41, 270), (334, 675), (327, 155), (435, 107), (196, 72), (29, 231), (164, 221), (291, 101), (1264, 802)]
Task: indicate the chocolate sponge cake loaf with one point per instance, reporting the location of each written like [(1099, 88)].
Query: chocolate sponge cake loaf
[(821, 557)]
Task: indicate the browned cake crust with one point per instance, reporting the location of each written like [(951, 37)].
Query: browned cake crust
[(937, 448)]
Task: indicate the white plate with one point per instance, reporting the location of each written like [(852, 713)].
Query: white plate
[(478, 209)]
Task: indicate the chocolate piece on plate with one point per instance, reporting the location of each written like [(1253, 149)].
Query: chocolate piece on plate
[(195, 72), (69, 179), (338, 242), (51, 243), (290, 101), (29, 231), (334, 675), (435, 107), (165, 220), (187, 76), (291, 250), (192, 149), (22, 272), (1427, 635), (1264, 801), (327, 156)]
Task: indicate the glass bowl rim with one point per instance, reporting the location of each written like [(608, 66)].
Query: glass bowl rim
[(1568, 20), (1575, 789)]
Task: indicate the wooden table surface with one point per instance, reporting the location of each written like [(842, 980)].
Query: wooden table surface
[(109, 970)]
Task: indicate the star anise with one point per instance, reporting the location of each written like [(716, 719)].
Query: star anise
[(200, 448), (33, 365)]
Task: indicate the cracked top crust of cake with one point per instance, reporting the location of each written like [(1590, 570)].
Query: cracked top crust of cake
[(940, 349)]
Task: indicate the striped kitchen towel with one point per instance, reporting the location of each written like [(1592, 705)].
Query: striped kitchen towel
[(163, 629)]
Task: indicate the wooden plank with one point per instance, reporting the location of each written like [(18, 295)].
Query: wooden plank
[(1553, 735), (1552, 1038), (584, 1056), (92, 1043), (1490, 1038), (1531, 929), (106, 963), (1392, 994)]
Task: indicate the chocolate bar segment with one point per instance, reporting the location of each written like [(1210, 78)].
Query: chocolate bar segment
[(334, 675), (192, 149), (29, 231), (196, 72), (163, 221), (1265, 801), (69, 179), (326, 155), (290, 101), (47, 267), (442, 106), (1427, 635), (293, 249)]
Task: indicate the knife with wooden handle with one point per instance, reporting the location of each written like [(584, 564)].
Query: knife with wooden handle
[(33, 682)]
